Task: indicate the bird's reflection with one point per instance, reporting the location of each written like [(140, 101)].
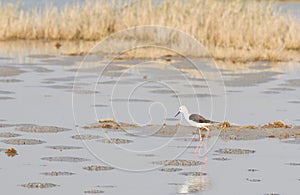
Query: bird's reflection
[(199, 180)]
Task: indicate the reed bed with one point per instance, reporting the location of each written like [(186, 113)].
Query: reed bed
[(228, 29)]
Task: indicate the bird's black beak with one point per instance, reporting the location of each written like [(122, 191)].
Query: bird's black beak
[(177, 114)]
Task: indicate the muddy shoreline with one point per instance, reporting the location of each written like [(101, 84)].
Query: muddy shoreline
[(226, 133)]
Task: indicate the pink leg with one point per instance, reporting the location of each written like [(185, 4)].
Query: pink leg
[(207, 134), (205, 142), (198, 160), (204, 166), (205, 160), (205, 148), (199, 143)]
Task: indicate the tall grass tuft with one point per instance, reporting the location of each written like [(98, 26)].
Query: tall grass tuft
[(229, 29)]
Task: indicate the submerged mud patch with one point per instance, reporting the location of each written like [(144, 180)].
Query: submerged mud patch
[(115, 141), (251, 79), (198, 95), (85, 137), (271, 92), (105, 186), (170, 169), (59, 86), (253, 180), (146, 155), (162, 91), (100, 105), (293, 164), (41, 129), (260, 67), (252, 170), (82, 91), (293, 82), (65, 159), (221, 158), (93, 191), (60, 147), (57, 173), (23, 141), (235, 151), (172, 119), (293, 141), (97, 168), (6, 98), (196, 86), (194, 174), (5, 125), (6, 92), (9, 71), (63, 79), (39, 185), (178, 162), (42, 70), (10, 80), (282, 89), (130, 100), (8, 134), (294, 102)]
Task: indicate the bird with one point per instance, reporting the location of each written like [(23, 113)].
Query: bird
[(195, 120)]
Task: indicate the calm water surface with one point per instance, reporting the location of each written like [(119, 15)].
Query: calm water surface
[(45, 90), (292, 7)]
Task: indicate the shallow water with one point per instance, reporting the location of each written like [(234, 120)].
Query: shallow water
[(291, 8), (256, 173), (147, 93), (143, 93)]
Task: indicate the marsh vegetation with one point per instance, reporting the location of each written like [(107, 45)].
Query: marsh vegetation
[(236, 30)]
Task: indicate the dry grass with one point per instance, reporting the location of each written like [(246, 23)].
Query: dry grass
[(225, 124), (276, 124), (106, 120), (11, 152), (229, 29)]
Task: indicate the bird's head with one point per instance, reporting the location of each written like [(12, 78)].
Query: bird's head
[(182, 109)]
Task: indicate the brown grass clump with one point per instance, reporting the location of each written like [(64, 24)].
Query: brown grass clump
[(251, 127), (128, 125), (225, 124), (229, 29), (106, 120), (102, 125), (276, 124), (11, 152), (284, 136), (109, 124)]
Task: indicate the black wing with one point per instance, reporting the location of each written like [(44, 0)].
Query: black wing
[(199, 119)]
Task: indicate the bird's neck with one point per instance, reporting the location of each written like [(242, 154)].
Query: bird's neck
[(186, 115)]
